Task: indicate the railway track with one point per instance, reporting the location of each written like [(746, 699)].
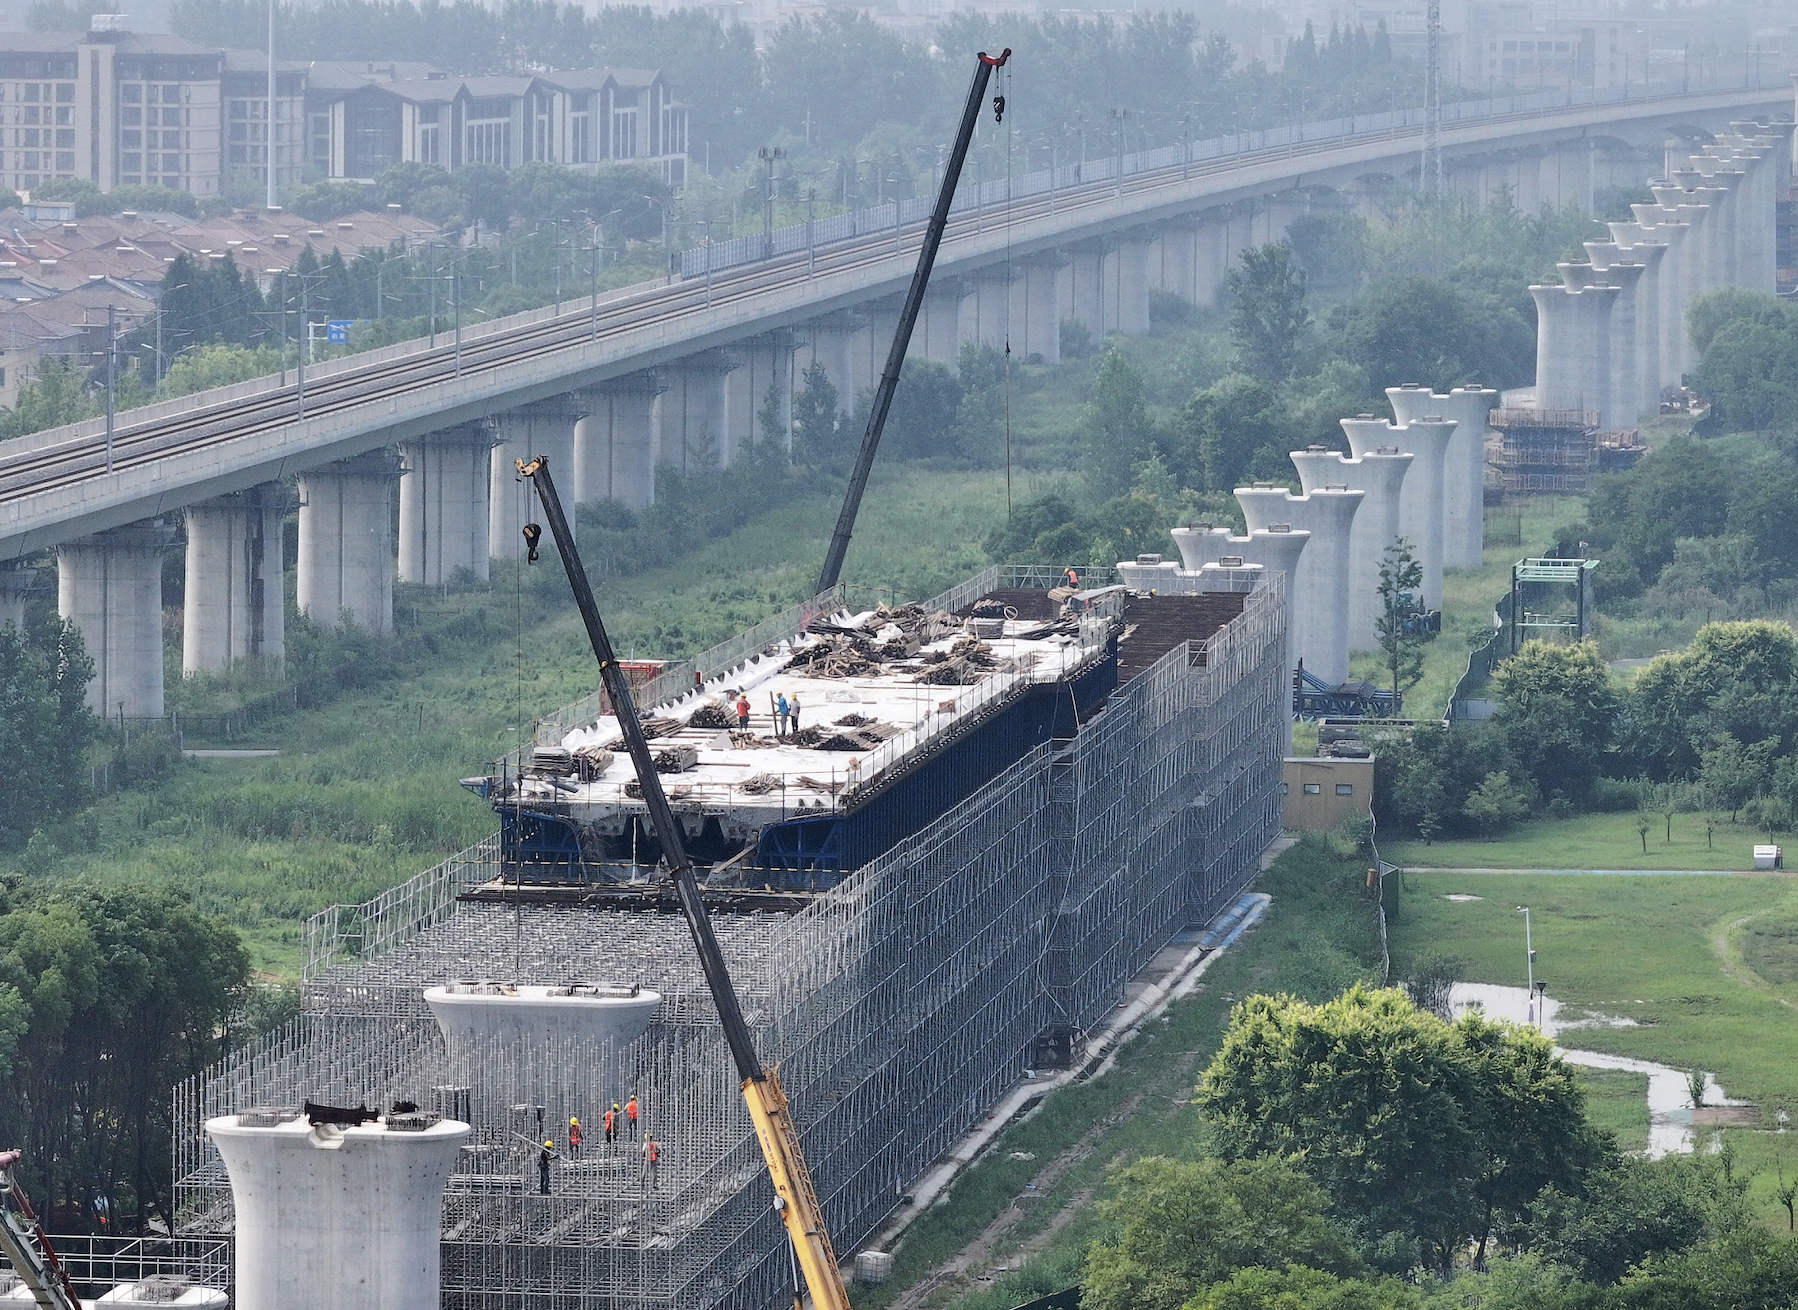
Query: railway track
[(65, 463)]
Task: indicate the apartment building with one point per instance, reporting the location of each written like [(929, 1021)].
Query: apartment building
[(365, 118), (123, 108)]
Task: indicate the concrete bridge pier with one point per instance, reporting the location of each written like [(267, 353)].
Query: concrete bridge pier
[(17, 581), (109, 585), (1619, 377), (443, 503), (872, 346), (1129, 303), (1174, 260), (830, 341), (762, 362), (1036, 309), (543, 427), (346, 541), (1091, 271), (694, 417), (937, 333), (986, 306), (615, 451), (234, 607)]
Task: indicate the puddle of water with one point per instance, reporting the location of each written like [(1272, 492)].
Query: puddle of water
[(1670, 1128)]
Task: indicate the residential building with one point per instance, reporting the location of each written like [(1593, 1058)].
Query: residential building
[(364, 118), (122, 108)]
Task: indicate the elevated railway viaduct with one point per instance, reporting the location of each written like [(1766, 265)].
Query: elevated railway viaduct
[(614, 386)]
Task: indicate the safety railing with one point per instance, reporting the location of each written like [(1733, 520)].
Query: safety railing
[(717, 256), (343, 932)]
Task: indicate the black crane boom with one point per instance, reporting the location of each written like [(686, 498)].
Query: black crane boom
[(908, 317)]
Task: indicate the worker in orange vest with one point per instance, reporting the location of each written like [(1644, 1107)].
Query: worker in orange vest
[(611, 1124), (1073, 579), (574, 1135), (630, 1113), (652, 1156)]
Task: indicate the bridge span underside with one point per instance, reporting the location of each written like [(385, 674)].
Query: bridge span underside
[(615, 387)]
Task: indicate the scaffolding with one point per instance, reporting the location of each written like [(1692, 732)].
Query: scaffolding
[(926, 978), (1547, 450), (1551, 598)]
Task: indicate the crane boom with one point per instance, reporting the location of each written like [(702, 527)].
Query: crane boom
[(908, 317), (796, 1200), (23, 1240)]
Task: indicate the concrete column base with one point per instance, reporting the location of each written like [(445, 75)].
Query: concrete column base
[(763, 362), (1036, 311), (443, 504), (235, 607), (830, 341), (346, 542), (544, 427), (109, 586), (1129, 300)]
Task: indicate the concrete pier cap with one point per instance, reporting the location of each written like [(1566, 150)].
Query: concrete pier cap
[(473, 1013), (332, 1217)]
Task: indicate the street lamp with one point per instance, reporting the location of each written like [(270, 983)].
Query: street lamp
[(1529, 954)]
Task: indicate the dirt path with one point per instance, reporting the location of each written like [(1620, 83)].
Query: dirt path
[(972, 1266)]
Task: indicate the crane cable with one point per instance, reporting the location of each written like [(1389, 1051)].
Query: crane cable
[(999, 104)]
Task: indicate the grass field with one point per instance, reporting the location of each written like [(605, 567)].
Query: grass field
[(1592, 841), (1707, 967)]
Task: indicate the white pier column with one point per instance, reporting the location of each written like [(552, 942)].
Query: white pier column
[(615, 455), (443, 503), (695, 430), (234, 607), (109, 586), (1036, 310), (346, 542), (937, 334), (1129, 305), (543, 427)]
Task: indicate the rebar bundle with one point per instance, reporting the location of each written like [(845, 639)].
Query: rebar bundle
[(899, 1005)]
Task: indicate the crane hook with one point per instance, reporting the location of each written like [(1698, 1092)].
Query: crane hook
[(998, 109), (533, 533)]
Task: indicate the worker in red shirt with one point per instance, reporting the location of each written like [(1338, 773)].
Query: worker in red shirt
[(630, 1113), (611, 1124), (574, 1135), (742, 712)]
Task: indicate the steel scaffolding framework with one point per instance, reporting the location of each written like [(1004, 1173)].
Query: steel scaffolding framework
[(923, 979)]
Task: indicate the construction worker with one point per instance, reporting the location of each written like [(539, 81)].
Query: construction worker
[(1073, 579), (611, 1124), (780, 715), (793, 712), (544, 1156), (742, 712), (630, 1113), (652, 1156), (574, 1135)]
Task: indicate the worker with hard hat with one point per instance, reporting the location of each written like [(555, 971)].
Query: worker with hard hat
[(610, 1123), (574, 1134)]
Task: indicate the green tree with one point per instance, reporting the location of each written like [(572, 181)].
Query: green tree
[(217, 366), (1297, 1288), (817, 429), (54, 397), (1426, 1135), (1401, 575), (1630, 1210), (123, 991), (1229, 427), (1420, 329), (1269, 318), (1749, 373), (925, 418), (44, 673), (1558, 713), (1118, 431), (1179, 1226), (1738, 678), (1496, 804)]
